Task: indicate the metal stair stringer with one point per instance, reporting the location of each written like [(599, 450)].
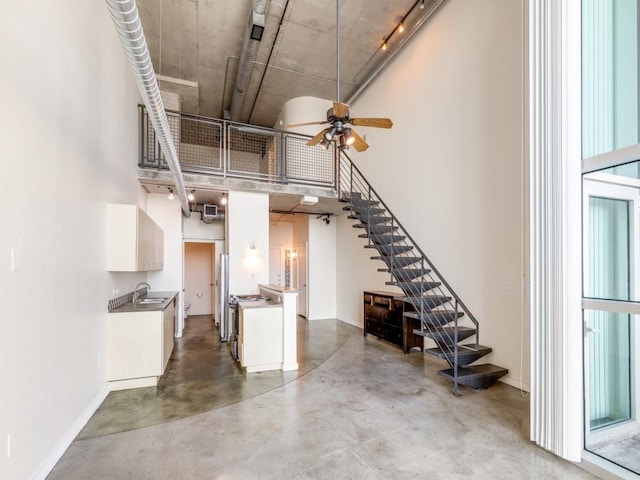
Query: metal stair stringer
[(427, 295)]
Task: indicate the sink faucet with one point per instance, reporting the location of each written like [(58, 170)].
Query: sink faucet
[(135, 290)]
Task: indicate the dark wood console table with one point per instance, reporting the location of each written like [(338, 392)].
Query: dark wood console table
[(384, 318)]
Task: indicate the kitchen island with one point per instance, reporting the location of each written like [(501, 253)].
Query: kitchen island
[(288, 297), (260, 335)]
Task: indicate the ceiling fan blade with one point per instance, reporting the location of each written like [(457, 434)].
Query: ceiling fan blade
[(359, 144), (372, 122), (316, 140), (340, 110), (303, 124)]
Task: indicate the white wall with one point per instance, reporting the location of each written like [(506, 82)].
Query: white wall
[(68, 146), (248, 225), (168, 215), (281, 234), (322, 269), (195, 229), (451, 167)]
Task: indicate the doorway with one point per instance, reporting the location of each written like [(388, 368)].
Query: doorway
[(199, 278), (302, 265)]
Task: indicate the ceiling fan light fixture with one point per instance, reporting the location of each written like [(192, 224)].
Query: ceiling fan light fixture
[(348, 136), (343, 144), (324, 143), (330, 133)]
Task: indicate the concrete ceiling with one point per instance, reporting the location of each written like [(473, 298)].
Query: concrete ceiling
[(195, 46)]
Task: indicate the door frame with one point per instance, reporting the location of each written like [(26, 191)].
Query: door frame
[(614, 187)]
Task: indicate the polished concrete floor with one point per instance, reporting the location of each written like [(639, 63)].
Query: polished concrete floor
[(364, 410), (202, 376)]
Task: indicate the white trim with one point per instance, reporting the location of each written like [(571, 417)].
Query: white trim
[(605, 469), (70, 435), (617, 306), (611, 159), (555, 228)]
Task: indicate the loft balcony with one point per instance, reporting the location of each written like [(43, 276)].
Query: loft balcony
[(217, 154)]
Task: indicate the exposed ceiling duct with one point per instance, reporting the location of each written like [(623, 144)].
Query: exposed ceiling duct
[(252, 38), (127, 22)]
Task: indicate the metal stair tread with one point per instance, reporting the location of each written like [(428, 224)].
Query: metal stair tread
[(434, 313), (428, 285), (374, 220), (399, 261), (382, 238), (396, 249), (475, 376), (376, 228), (446, 335), (468, 350)]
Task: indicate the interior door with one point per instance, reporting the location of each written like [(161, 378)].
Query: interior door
[(610, 260), (302, 279), (198, 278)]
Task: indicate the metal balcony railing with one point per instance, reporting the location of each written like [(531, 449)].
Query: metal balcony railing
[(229, 149)]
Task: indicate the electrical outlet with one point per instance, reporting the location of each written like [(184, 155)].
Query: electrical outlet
[(98, 360), (8, 445)]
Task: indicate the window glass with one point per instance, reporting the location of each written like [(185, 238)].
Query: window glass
[(609, 75)]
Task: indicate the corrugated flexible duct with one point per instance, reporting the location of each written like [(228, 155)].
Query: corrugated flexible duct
[(127, 22), (248, 55)]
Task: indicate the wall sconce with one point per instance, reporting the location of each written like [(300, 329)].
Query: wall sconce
[(170, 196), (293, 254), (252, 246)]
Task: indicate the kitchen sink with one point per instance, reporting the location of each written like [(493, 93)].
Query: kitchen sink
[(146, 301)]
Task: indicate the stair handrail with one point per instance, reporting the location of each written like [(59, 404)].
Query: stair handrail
[(461, 304)]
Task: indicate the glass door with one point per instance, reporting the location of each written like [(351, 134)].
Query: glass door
[(610, 274)]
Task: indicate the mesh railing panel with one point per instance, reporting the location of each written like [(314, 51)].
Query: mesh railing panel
[(201, 145), (312, 165), (253, 154)]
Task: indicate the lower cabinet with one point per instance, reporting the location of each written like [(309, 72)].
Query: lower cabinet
[(384, 318), (260, 346), (139, 345)]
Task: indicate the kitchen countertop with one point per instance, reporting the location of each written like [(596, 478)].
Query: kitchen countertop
[(279, 288), (259, 304), (147, 307)]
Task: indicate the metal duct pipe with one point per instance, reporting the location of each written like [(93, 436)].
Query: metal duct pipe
[(127, 22), (252, 37)]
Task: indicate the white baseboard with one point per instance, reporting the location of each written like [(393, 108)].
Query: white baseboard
[(72, 433), (516, 383)]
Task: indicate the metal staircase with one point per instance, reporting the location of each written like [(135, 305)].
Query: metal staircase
[(427, 295)]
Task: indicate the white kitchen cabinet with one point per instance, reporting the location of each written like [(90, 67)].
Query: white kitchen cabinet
[(168, 321), (135, 241), (139, 345), (260, 338)]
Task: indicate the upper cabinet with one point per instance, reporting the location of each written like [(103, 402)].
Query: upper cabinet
[(136, 243)]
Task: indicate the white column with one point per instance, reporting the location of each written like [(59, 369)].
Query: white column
[(555, 229)]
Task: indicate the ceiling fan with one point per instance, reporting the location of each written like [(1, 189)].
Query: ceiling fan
[(340, 122)]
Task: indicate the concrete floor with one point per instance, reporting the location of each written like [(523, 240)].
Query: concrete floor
[(366, 411)]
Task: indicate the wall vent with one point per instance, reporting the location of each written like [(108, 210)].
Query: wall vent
[(210, 211)]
